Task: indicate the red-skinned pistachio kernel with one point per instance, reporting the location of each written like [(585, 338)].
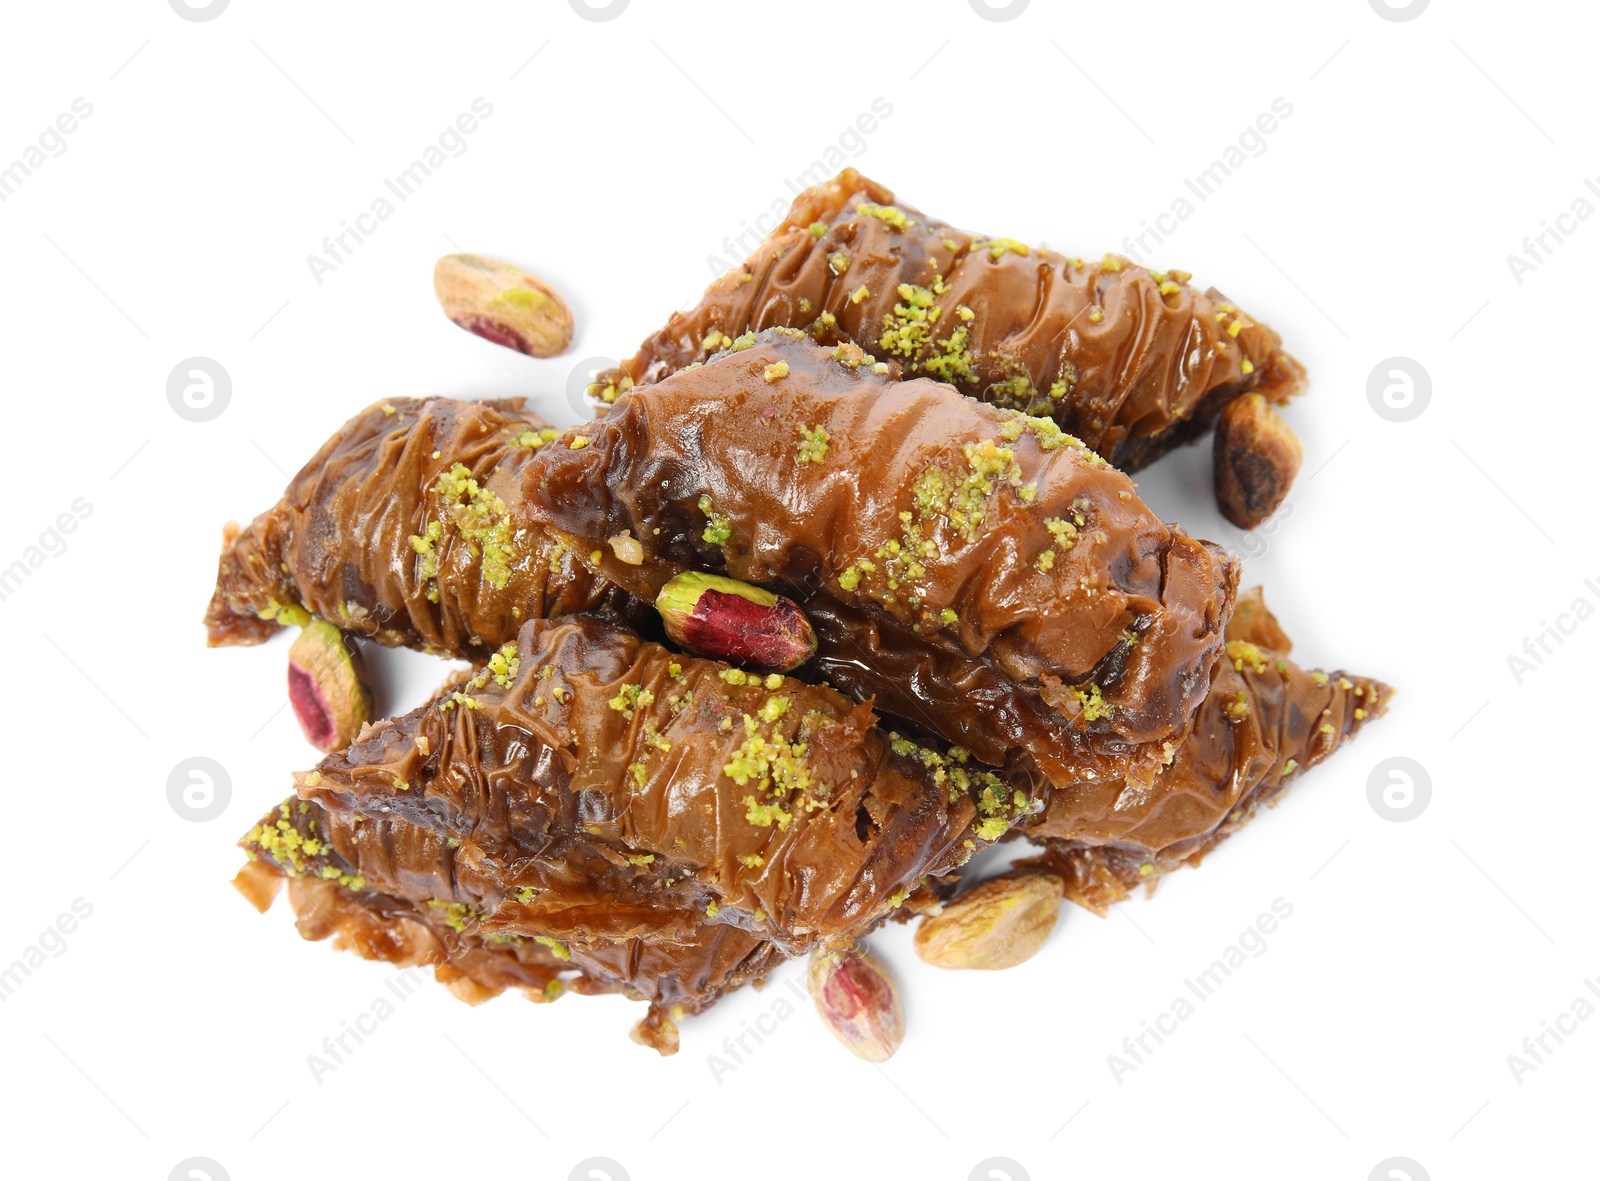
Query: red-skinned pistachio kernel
[(331, 702), (503, 304), (730, 620), (858, 1001)]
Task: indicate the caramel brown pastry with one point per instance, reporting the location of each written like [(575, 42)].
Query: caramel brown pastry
[(664, 825), (396, 530), (1265, 722), (973, 569), (351, 877), (1132, 361)]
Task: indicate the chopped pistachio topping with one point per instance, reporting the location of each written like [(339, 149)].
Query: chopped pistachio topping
[(503, 665), (1244, 654), (997, 247), (1065, 533), (718, 528), (1095, 706), (909, 327), (964, 500), (892, 216), (954, 361), (288, 848), (533, 440), (630, 698), (813, 445), (850, 355), (456, 914), (557, 948), (482, 520), (766, 815), (288, 614), (611, 391)]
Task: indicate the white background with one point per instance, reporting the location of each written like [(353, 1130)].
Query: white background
[(176, 1023)]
